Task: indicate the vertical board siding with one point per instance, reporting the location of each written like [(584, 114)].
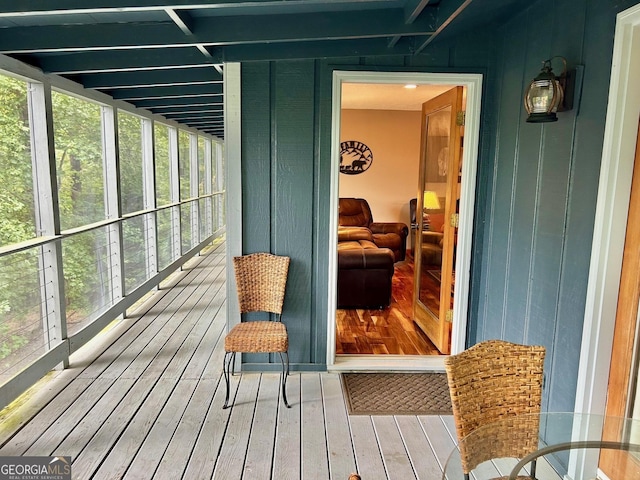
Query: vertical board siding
[(485, 181), (256, 168), (538, 244), (499, 248), (527, 178), (278, 132), (322, 214), (598, 24), (563, 348), (256, 157), (292, 190)]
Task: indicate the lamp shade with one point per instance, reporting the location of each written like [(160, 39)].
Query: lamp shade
[(543, 96), (430, 200)]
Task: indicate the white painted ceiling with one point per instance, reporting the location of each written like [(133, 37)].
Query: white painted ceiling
[(369, 96)]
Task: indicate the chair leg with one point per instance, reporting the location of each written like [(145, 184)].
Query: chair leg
[(533, 470), (227, 361), (285, 374)]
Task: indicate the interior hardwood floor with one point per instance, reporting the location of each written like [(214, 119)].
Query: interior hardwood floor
[(388, 331)]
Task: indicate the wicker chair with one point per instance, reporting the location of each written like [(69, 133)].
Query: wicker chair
[(261, 280), (488, 382)]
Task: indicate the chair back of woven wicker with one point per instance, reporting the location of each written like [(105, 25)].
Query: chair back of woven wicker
[(488, 382), (261, 279)]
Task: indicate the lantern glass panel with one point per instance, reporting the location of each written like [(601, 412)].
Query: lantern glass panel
[(541, 96)]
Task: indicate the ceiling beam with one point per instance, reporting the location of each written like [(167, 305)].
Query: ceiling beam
[(145, 93), (200, 114), (311, 50), (206, 122), (187, 109), (182, 19), (214, 31), (193, 116), (148, 77), (64, 7), (413, 9), (182, 107), (180, 100), (448, 11), (118, 60)]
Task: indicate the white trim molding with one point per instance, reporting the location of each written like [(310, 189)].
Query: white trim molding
[(233, 182)]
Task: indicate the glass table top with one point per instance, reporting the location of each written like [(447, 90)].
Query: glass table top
[(555, 436)]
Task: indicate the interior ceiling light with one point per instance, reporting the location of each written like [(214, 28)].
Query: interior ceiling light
[(411, 85)]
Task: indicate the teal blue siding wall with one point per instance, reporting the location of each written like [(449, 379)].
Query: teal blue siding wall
[(535, 221), (286, 176), (278, 132), (536, 187)]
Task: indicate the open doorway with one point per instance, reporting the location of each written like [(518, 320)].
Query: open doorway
[(377, 108), (379, 169)]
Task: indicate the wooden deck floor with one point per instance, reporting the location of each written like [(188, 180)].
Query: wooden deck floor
[(145, 401)]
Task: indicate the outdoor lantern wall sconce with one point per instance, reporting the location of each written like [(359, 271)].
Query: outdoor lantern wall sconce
[(548, 94)]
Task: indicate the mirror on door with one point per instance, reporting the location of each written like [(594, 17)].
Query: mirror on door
[(438, 201)]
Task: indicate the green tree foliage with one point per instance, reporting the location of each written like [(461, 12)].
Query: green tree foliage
[(16, 195), (130, 146), (163, 194), (130, 135), (161, 146), (184, 164), (87, 257), (19, 293), (77, 129)]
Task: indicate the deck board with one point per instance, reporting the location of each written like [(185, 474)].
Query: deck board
[(287, 459), (425, 464), (144, 400), (232, 455), (392, 447), (262, 441), (315, 460), (210, 437), (339, 442), (367, 450)]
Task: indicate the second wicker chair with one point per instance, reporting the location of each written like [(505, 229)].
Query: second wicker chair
[(488, 382), (261, 280)]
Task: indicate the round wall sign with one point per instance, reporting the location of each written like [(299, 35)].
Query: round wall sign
[(355, 157)]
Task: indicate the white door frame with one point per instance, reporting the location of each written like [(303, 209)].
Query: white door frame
[(473, 84), (612, 206)]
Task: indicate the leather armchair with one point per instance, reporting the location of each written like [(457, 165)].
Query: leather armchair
[(355, 212)]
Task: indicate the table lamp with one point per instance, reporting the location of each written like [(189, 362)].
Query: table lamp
[(430, 201)]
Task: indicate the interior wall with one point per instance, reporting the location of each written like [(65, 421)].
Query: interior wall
[(392, 179)]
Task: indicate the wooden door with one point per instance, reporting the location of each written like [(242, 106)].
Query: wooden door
[(623, 389), (437, 200)]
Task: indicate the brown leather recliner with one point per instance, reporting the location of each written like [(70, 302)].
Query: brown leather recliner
[(355, 212), (365, 275)]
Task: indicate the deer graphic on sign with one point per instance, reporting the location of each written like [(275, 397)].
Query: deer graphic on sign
[(355, 157)]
